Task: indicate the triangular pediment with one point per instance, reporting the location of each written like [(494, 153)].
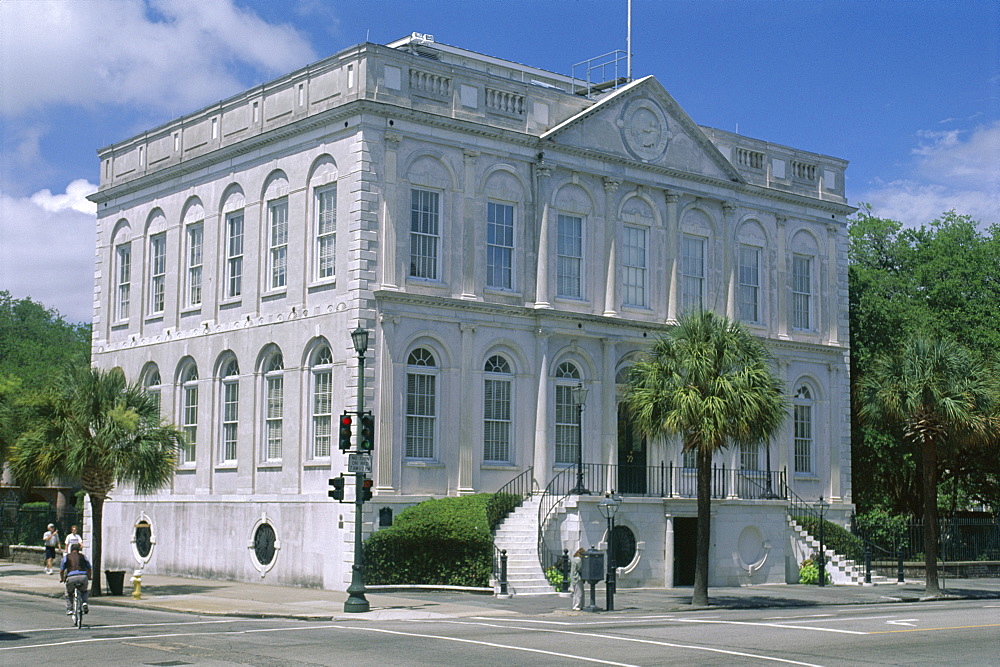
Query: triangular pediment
[(642, 122)]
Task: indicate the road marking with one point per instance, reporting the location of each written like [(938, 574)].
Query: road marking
[(776, 625), (902, 621), (838, 620), (144, 625), (954, 627), (654, 642), (788, 618)]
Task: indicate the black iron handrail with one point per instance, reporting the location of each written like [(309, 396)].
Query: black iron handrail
[(510, 496)]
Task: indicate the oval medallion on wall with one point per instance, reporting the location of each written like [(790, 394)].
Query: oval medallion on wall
[(644, 128)]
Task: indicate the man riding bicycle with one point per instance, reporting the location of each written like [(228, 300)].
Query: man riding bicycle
[(76, 572)]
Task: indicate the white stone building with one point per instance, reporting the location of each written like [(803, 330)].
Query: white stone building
[(505, 237)]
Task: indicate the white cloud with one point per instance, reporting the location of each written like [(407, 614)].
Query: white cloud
[(173, 55), (952, 170), (47, 249)]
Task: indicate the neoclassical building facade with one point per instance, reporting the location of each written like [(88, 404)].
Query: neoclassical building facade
[(505, 237)]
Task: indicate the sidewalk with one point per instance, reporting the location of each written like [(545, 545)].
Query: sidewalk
[(228, 598)]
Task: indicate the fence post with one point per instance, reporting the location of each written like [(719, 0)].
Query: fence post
[(503, 572), (899, 565), (565, 571), (868, 564)]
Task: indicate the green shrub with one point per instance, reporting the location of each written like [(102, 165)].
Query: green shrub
[(445, 542), (835, 537), (883, 529), (809, 573), (499, 506), (555, 577)]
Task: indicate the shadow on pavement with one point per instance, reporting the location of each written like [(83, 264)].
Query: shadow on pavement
[(176, 589)]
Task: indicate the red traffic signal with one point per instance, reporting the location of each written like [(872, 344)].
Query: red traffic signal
[(345, 431), (366, 490)]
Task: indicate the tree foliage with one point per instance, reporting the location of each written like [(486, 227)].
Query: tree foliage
[(35, 341), (710, 382)]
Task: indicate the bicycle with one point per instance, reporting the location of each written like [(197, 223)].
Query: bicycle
[(77, 607)]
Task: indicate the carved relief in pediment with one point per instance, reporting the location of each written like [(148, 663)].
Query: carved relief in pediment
[(429, 172), (637, 211), (644, 129), (504, 186), (574, 199)]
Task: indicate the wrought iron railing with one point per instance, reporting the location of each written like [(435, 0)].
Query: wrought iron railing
[(959, 539), (510, 496)]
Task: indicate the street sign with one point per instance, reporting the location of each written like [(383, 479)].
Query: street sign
[(359, 463)]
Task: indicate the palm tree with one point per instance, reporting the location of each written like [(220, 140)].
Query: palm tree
[(102, 430), (709, 381), (940, 394)]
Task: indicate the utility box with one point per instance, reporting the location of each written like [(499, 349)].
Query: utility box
[(592, 566)]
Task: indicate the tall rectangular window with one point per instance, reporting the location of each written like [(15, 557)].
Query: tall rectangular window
[(124, 278), (189, 421), (692, 273), (157, 273), (496, 420), (326, 233), (234, 254), (567, 425), (634, 266), (749, 457), (275, 408), (803, 438), (277, 213), (569, 256), (499, 246), (322, 413), (801, 292), (749, 287), (420, 415), (230, 418), (195, 237), (424, 234)]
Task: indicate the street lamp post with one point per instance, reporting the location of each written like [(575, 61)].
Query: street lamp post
[(356, 601), (608, 508), (822, 506), (579, 394)]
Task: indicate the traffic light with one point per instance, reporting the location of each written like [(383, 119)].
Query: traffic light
[(337, 492), (366, 433), (366, 490), (345, 432)]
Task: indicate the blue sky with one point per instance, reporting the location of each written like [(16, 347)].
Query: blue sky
[(908, 91)]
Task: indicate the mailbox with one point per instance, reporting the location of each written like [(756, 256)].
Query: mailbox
[(592, 566)]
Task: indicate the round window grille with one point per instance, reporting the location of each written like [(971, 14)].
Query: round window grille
[(624, 541), (143, 539), (263, 543)]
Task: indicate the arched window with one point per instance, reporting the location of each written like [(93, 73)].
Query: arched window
[(567, 413), (802, 404), (496, 410), (274, 408), (229, 379), (421, 404), (189, 414), (152, 384), (322, 402)]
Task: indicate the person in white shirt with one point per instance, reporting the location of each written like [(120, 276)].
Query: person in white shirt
[(73, 538)]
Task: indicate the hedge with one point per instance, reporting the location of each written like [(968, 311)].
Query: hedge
[(444, 542)]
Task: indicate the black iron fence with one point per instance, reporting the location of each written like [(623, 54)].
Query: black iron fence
[(959, 539), (26, 525)]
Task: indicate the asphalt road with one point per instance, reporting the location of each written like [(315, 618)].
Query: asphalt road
[(34, 630)]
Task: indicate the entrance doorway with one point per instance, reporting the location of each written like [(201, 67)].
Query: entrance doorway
[(685, 551), (631, 456)]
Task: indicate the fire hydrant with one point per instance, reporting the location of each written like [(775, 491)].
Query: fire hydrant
[(137, 585)]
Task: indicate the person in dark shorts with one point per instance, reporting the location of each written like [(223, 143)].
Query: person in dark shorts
[(51, 541)]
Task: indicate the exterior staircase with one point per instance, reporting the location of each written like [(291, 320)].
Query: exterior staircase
[(842, 571), (518, 534)]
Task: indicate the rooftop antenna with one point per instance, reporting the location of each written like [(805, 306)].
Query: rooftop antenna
[(628, 46)]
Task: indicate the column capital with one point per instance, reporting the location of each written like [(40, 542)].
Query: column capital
[(781, 220), (392, 140), (728, 207), (543, 169), (671, 197), (470, 154), (611, 185), (831, 229)]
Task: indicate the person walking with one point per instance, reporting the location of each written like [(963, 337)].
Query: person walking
[(576, 579), (51, 541), (73, 538)]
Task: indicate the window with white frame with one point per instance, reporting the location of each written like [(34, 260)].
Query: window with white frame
[(123, 276), (195, 238), (692, 272), (499, 246), (569, 256), (801, 292), (153, 385), (748, 291), (274, 406), (157, 273), (424, 233), (277, 258), (802, 405), (634, 266), (496, 410), (234, 254), (421, 404), (230, 382), (189, 415), (326, 232), (689, 459), (567, 413), (322, 403), (749, 457)]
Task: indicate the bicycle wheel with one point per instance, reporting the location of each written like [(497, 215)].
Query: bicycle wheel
[(77, 608)]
